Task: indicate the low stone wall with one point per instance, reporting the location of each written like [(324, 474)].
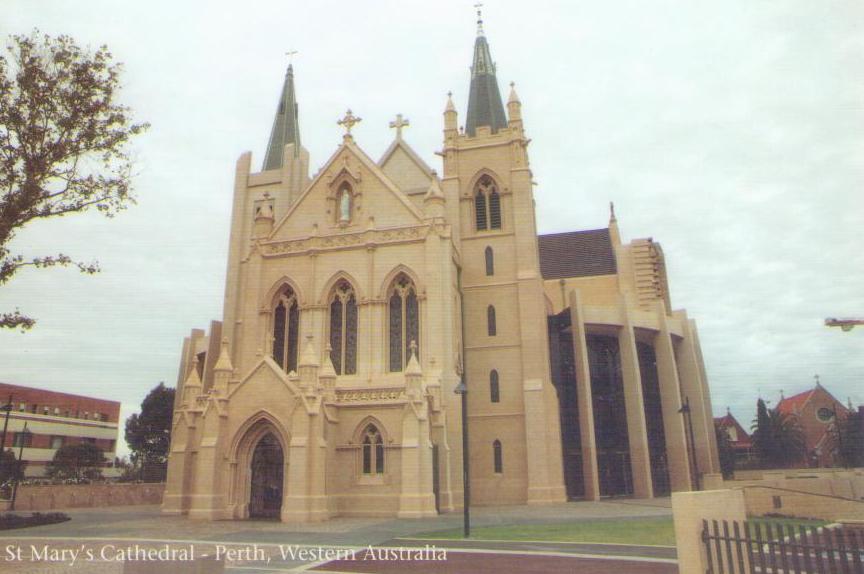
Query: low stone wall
[(60, 496), (766, 500), (827, 494)]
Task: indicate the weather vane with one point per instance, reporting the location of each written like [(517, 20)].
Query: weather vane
[(479, 5), (290, 55)]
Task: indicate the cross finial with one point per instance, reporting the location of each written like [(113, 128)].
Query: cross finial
[(479, 5), (291, 54), (816, 377), (348, 121), (398, 124)]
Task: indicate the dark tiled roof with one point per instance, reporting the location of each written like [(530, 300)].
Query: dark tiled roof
[(576, 254)]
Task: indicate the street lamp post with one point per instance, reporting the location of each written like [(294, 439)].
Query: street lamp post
[(24, 440), (8, 408), (462, 390), (685, 410)]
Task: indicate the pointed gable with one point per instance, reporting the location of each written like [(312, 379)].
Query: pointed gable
[(373, 194), (407, 170)]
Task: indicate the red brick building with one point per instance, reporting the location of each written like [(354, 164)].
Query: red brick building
[(815, 410), (54, 420), (739, 439)]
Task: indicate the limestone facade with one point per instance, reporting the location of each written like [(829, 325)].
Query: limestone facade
[(357, 299)]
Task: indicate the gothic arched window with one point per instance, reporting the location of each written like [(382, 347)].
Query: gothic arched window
[(344, 211), (343, 329), (494, 390), (491, 327), (373, 451), (490, 261), (487, 204), (497, 457), (286, 325), (404, 322)]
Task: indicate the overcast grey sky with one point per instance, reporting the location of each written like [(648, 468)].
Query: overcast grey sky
[(732, 132)]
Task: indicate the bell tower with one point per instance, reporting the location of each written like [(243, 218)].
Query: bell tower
[(513, 407)]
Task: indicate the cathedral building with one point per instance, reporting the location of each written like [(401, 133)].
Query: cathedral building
[(356, 302)]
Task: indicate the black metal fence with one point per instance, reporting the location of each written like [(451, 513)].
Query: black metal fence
[(765, 547)]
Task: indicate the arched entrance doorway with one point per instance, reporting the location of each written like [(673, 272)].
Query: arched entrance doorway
[(265, 497)]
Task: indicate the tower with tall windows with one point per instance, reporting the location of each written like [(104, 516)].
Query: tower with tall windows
[(358, 299)]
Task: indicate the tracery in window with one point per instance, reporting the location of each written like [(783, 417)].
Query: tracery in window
[(491, 327), (343, 329), (490, 261), (497, 457), (404, 322), (373, 451), (487, 204), (494, 390), (286, 325)]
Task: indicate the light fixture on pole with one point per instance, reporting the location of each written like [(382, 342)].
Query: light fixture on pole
[(462, 389)]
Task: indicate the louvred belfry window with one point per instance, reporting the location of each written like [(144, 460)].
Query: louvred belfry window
[(343, 329), (487, 204), (404, 322), (286, 324)]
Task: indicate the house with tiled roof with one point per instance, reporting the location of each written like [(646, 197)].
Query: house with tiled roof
[(816, 410), (739, 439)]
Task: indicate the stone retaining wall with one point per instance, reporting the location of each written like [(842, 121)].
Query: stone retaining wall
[(60, 496)]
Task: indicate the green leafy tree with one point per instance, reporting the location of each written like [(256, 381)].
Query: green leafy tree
[(63, 140), (149, 433), (778, 441), (847, 440), (78, 462), (726, 453)]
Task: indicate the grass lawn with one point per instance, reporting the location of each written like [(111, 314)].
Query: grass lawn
[(654, 531)]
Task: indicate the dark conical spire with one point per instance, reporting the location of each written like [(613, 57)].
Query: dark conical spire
[(286, 127), (485, 107)]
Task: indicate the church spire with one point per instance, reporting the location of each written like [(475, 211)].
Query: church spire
[(286, 126), (485, 107)]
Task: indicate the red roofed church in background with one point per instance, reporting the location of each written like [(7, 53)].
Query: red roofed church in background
[(55, 420), (816, 410)]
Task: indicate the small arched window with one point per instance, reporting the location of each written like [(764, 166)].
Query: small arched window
[(494, 390), (286, 325), (343, 329), (490, 261), (497, 457), (491, 327), (404, 322), (344, 204), (487, 204), (373, 451)]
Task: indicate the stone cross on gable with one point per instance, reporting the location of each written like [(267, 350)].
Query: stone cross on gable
[(348, 121), (398, 124)]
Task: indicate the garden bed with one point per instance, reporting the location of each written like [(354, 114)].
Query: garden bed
[(11, 521)]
